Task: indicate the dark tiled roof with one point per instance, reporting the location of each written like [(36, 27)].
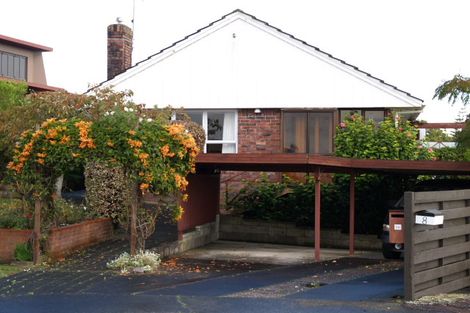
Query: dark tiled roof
[(280, 31)]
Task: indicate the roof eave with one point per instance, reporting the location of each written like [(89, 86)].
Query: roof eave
[(24, 44)]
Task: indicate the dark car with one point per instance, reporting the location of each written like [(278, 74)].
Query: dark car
[(393, 242)]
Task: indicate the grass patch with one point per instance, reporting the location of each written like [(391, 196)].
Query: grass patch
[(9, 269)]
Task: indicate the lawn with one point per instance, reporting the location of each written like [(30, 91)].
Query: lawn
[(9, 269)]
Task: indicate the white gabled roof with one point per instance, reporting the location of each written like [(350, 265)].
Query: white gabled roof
[(240, 61)]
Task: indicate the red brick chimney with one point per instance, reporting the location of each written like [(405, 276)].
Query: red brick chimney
[(119, 49)]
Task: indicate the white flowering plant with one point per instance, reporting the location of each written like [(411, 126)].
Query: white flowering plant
[(143, 261)]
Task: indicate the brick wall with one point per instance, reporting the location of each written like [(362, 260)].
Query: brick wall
[(9, 238), (257, 133), (66, 239)]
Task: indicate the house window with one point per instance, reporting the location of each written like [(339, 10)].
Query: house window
[(12, 65), (375, 115), (308, 132), (220, 128)]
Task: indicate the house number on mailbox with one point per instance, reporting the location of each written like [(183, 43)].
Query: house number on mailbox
[(424, 220)]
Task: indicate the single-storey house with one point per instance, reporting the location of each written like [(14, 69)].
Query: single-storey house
[(253, 87)]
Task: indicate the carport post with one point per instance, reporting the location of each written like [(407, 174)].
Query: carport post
[(352, 209), (317, 213)]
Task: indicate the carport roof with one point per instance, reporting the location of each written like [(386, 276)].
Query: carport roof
[(286, 162)]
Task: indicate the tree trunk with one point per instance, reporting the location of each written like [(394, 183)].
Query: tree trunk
[(133, 225), (37, 232), (58, 186)]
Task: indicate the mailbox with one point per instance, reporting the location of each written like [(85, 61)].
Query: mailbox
[(396, 221), (429, 217)]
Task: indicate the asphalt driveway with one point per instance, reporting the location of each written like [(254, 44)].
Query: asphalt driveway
[(185, 284)]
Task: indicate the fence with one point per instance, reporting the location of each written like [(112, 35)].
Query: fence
[(437, 258)]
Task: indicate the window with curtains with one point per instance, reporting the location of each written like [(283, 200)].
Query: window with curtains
[(308, 132), (220, 128)]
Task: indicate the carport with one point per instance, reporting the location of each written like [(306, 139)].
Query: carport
[(317, 165)]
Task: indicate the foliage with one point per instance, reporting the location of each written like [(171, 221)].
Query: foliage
[(450, 154), (157, 156), (41, 156), (438, 135), (154, 155), (456, 88), (11, 94), (38, 107), (61, 212), (356, 138), (193, 128), (462, 137), (259, 199), (293, 201), (107, 190), (388, 140), (24, 252), (14, 214), (146, 260), (14, 217)]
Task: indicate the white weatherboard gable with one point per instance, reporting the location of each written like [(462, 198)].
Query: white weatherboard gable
[(240, 62)]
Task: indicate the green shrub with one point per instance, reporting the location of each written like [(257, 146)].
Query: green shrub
[(387, 140), (450, 154), (62, 212), (259, 199), (11, 94), (293, 201), (12, 215), (24, 252)]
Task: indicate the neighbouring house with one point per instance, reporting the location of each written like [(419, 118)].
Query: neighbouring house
[(253, 87), (22, 61)]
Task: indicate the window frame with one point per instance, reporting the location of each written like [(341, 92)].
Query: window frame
[(204, 125)]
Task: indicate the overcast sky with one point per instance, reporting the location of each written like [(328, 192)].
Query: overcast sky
[(412, 44)]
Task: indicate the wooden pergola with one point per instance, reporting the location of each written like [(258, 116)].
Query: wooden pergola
[(316, 164)]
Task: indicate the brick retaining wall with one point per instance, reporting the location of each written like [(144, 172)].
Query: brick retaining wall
[(236, 228), (63, 240), (9, 239)]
